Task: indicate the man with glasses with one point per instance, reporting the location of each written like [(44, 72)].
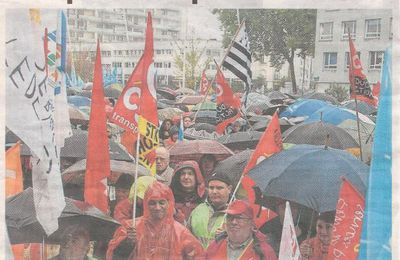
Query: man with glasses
[(241, 240), (164, 172)]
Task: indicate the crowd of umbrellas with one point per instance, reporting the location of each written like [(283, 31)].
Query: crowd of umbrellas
[(321, 144)]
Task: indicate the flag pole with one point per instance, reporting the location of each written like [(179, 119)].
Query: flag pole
[(136, 177), (223, 59), (355, 96)]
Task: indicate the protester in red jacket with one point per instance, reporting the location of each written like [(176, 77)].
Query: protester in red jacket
[(156, 234), (241, 240)]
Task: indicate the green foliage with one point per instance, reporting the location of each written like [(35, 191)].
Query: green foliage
[(341, 93), (259, 81), (193, 64), (277, 33)]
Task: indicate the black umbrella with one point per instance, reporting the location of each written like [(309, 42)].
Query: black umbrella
[(316, 134), (209, 117), (233, 166), (262, 125), (23, 227), (323, 97), (241, 140), (193, 134), (167, 93), (204, 126), (75, 146), (362, 106), (112, 92), (309, 175)]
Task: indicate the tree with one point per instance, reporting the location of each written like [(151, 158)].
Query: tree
[(277, 33), (341, 93), (194, 61)]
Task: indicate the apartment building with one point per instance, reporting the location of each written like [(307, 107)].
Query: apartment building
[(371, 31)]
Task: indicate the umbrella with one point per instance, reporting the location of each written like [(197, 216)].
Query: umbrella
[(322, 96), (241, 140), (336, 115), (185, 91), (112, 92), (116, 86), (363, 107), (205, 106), (167, 93), (23, 227), (204, 126), (168, 113), (75, 147), (309, 175), (79, 101), (303, 107), (193, 134), (194, 150), (233, 166), (209, 117), (76, 116), (189, 100), (316, 134), (75, 174), (261, 125)]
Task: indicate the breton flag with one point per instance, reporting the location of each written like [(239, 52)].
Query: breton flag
[(227, 104), (289, 247), (238, 59), (359, 85)]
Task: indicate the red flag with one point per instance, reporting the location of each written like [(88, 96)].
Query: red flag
[(204, 83), (375, 94), (98, 157), (359, 85), (270, 143), (346, 231), (227, 104), (140, 89), (136, 109)]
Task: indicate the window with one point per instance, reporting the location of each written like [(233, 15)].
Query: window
[(117, 64), (372, 28), (348, 26), (330, 60), (347, 60), (326, 31), (375, 59), (391, 28), (71, 21)]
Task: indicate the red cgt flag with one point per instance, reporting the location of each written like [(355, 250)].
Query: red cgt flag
[(359, 85), (270, 143), (227, 104), (204, 83), (346, 231), (98, 157)]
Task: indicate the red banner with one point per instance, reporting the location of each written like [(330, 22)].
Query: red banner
[(359, 85), (270, 143), (346, 232), (98, 157), (227, 104), (204, 83)]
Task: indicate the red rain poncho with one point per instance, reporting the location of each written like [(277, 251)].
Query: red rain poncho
[(166, 239)]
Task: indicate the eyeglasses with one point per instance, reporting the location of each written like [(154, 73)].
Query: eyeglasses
[(238, 218)]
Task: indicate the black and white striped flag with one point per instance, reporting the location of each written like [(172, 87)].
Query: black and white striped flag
[(238, 58)]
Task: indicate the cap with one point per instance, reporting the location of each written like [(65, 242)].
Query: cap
[(238, 207), (219, 177)]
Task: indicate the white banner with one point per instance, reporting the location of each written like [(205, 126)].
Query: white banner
[(289, 248), (30, 110)]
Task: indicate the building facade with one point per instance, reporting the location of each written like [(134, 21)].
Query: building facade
[(371, 32)]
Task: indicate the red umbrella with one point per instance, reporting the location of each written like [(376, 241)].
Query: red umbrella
[(195, 149)]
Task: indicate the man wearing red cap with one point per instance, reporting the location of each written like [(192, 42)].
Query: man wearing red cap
[(241, 240)]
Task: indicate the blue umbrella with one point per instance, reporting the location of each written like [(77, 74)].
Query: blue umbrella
[(309, 175), (79, 101), (336, 115), (303, 107), (363, 107)]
